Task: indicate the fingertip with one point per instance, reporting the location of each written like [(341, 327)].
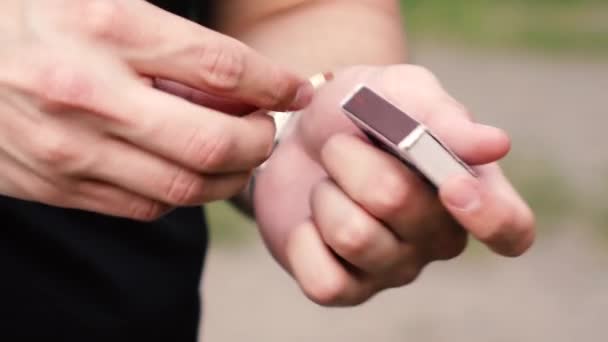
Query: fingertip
[(496, 139), (515, 248), (496, 216), (528, 241), (279, 90), (489, 145), (525, 238), (303, 96)]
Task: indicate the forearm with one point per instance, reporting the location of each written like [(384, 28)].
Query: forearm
[(10, 15), (373, 224), (314, 36)]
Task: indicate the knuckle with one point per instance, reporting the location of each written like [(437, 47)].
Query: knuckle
[(454, 247), (60, 83), (418, 72), (51, 195), (146, 211), (100, 19), (221, 66), (328, 291), (184, 189), (407, 275), (353, 238), (209, 151), (392, 195), (422, 87), (56, 151)]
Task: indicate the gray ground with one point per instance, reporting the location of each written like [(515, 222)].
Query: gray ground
[(558, 292), (552, 107)]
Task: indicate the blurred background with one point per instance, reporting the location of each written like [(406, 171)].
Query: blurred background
[(538, 68)]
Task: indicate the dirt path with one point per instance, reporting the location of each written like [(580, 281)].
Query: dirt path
[(557, 293), (554, 108)]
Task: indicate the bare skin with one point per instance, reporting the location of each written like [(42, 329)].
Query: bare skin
[(101, 139), (80, 129), (369, 222), (344, 218)]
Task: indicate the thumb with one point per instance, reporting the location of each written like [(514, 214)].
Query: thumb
[(490, 209)]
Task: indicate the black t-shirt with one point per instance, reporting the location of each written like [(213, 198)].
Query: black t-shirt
[(69, 275)]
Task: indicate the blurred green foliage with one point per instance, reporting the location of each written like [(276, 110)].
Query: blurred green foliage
[(552, 198), (601, 222), (227, 226), (598, 206), (546, 190), (571, 26), (575, 26)]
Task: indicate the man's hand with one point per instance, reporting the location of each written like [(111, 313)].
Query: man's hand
[(80, 129), (348, 220)]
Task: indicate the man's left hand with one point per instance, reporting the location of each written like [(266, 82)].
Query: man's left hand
[(348, 220)]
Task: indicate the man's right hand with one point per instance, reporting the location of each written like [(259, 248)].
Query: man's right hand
[(80, 129)]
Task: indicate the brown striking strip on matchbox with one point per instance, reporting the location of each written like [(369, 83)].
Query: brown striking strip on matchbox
[(380, 115), (398, 133)]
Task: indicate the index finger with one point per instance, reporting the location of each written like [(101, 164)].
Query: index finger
[(158, 43), (199, 138)]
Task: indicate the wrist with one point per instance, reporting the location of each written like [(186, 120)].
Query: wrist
[(284, 123)]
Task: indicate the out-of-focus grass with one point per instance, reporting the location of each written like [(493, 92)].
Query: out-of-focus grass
[(543, 188), (576, 26), (598, 206), (539, 181), (600, 220), (546, 190), (227, 225), (554, 199), (556, 202), (572, 26)]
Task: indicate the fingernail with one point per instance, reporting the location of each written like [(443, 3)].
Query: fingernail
[(303, 96), (462, 194)]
